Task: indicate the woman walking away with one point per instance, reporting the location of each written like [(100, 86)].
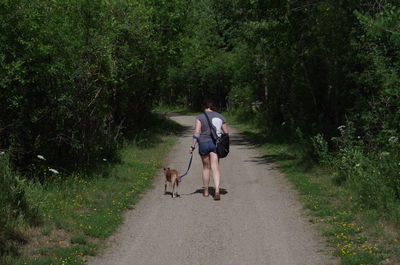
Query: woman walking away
[(207, 148)]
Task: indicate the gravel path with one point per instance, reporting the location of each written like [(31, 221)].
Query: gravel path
[(257, 221)]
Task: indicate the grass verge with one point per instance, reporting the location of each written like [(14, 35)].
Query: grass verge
[(357, 234), (176, 109), (81, 210)]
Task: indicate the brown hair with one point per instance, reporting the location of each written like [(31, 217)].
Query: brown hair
[(208, 104)]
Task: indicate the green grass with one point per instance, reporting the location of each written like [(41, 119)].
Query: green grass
[(356, 235), (176, 109), (79, 211)]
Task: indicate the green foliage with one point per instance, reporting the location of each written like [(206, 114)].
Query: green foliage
[(78, 79), (203, 68), (79, 240), (312, 66), (241, 98), (14, 207), (320, 148), (75, 75), (373, 178)]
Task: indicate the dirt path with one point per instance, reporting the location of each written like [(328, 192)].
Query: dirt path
[(257, 221)]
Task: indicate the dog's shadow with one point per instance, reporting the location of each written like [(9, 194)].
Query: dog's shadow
[(168, 193)]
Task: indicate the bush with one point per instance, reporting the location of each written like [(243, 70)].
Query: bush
[(320, 151), (372, 177), (14, 208)]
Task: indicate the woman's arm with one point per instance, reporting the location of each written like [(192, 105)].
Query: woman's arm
[(196, 135), (225, 128)]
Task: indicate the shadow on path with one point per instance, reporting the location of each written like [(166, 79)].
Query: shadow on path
[(269, 159), (211, 191), (240, 139)]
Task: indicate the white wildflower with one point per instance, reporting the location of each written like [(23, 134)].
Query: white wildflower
[(53, 170), (341, 127), (104, 159), (41, 157), (2, 153), (357, 165), (283, 123), (393, 139)]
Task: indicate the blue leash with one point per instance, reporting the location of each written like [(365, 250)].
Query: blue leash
[(190, 163)]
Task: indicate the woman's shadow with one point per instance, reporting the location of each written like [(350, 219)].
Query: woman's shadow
[(211, 191)]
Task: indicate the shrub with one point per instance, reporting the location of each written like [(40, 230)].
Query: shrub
[(372, 177), (14, 207), (320, 148)]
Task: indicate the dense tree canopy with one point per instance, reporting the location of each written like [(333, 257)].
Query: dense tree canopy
[(308, 64), (76, 75)]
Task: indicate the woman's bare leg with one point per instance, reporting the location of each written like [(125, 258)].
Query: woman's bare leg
[(206, 172), (215, 170)]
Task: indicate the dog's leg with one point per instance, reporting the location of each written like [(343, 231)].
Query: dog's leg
[(177, 186), (173, 188), (165, 187)]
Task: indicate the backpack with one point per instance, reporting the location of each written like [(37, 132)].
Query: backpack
[(221, 142)]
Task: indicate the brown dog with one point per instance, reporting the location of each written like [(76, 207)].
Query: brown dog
[(171, 175)]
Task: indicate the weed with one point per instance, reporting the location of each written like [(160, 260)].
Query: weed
[(15, 210), (46, 231), (79, 240)]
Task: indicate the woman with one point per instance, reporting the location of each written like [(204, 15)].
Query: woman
[(207, 149)]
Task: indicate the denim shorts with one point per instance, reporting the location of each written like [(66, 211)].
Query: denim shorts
[(207, 147)]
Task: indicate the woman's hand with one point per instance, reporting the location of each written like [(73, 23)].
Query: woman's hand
[(191, 149)]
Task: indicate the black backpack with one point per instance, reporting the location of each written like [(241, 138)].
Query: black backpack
[(222, 142)]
